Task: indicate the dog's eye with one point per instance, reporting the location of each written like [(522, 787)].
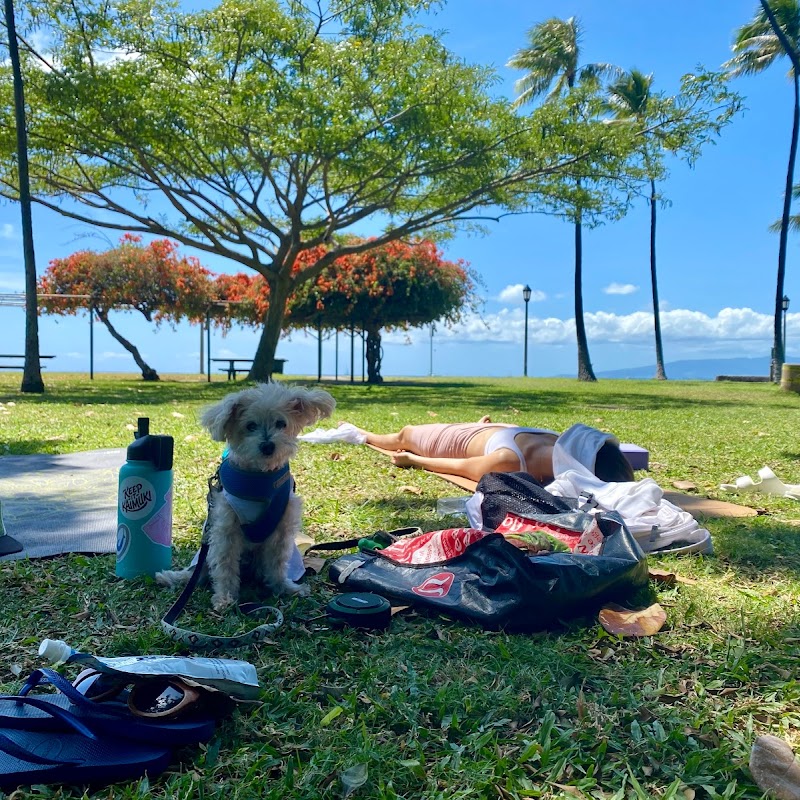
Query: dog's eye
[(252, 426), (279, 423)]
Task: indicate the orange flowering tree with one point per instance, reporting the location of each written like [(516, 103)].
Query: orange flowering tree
[(152, 279), (245, 298), (396, 285)]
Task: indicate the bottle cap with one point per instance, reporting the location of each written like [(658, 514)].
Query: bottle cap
[(55, 651)]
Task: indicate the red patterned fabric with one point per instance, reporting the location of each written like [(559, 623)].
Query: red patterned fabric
[(587, 542), (433, 547)]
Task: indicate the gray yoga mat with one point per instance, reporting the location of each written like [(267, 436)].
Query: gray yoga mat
[(54, 504)]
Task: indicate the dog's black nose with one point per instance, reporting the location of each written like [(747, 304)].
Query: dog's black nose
[(266, 448)]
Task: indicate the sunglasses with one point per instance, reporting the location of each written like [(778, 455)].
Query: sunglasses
[(159, 697)]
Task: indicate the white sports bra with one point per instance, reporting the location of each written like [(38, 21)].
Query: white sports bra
[(506, 438)]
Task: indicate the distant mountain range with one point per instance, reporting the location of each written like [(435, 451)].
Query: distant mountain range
[(700, 369)]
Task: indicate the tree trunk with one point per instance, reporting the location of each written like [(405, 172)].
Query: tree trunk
[(660, 372), (374, 354), (585, 371), (148, 373), (32, 371), (273, 325), (777, 339), (777, 334)]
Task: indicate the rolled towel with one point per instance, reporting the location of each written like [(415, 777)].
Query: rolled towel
[(576, 449)]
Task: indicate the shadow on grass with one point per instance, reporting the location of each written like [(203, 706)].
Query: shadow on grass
[(758, 547), (127, 393), (573, 396)]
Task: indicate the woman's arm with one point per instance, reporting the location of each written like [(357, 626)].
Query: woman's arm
[(474, 467)]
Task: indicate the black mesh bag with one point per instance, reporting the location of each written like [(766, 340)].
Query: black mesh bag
[(516, 493)]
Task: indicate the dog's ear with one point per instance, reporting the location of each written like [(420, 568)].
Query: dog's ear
[(217, 418), (310, 405)]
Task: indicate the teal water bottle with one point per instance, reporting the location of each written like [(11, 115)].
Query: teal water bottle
[(144, 507)]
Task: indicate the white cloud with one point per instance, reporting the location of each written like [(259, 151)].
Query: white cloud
[(620, 288), (6, 231), (741, 325), (110, 355), (513, 294), (110, 57)]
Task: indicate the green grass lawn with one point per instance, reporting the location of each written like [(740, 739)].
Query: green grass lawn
[(434, 708)]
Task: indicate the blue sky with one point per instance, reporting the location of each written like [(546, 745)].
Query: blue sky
[(717, 259)]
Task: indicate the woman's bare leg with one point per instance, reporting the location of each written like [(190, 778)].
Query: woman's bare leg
[(389, 441)]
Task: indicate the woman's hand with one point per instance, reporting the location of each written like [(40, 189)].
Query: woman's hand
[(403, 459)]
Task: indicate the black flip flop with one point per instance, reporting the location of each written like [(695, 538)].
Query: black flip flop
[(74, 755), (112, 717)]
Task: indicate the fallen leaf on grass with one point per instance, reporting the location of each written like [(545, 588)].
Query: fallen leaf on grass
[(601, 654), (669, 578), (573, 790), (331, 716), (686, 486), (662, 577), (409, 489), (397, 609), (353, 778), (774, 768), (415, 766), (314, 563), (632, 622)]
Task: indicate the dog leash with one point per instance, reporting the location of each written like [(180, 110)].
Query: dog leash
[(375, 541), (204, 640)]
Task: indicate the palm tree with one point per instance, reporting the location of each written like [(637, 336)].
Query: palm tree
[(629, 99), (551, 62), (759, 44), (32, 372)]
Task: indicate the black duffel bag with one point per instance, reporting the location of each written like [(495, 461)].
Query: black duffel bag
[(497, 586)]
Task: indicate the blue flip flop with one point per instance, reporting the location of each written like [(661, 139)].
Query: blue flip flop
[(73, 755), (111, 717)]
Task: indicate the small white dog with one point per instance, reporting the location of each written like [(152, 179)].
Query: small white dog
[(253, 519)]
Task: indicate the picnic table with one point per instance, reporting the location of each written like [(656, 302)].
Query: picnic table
[(243, 365), (21, 359)]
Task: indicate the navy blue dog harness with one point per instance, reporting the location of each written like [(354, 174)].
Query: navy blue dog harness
[(273, 489)]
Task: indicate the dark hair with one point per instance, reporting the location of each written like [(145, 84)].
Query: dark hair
[(611, 465)]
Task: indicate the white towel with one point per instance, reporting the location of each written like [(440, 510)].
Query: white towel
[(576, 449), (654, 522)]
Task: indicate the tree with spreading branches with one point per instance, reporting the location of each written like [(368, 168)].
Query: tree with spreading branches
[(259, 130), (152, 279), (399, 285)]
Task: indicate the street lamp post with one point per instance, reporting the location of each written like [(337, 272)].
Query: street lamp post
[(785, 307), (526, 296)]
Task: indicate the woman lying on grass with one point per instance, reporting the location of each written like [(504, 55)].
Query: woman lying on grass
[(472, 449)]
